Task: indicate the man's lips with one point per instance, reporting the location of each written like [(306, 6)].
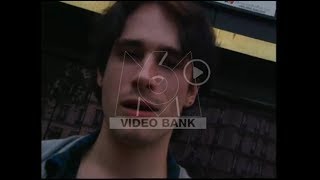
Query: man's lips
[(132, 112), (144, 109)]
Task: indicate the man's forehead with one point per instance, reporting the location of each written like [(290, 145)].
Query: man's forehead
[(149, 26)]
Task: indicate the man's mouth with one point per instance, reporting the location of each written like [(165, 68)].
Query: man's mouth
[(143, 106)]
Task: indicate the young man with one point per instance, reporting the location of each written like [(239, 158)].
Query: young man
[(131, 40)]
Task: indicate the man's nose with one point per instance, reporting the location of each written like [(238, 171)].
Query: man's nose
[(144, 78)]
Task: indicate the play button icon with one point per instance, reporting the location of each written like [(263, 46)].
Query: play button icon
[(196, 72)]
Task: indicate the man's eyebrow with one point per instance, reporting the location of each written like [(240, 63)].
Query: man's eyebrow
[(140, 43), (171, 51), (129, 43)]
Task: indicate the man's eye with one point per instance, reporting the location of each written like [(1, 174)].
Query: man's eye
[(172, 63), (119, 53), (130, 53), (169, 64), (136, 55)]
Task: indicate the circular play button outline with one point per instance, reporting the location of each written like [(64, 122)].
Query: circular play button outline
[(196, 84), (170, 99)]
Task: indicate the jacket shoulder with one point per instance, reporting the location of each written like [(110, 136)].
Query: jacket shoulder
[(54, 146), (183, 173)]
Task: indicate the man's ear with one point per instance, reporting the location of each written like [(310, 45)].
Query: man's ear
[(191, 95), (99, 78)]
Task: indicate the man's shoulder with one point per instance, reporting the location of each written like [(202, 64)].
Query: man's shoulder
[(54, 146)]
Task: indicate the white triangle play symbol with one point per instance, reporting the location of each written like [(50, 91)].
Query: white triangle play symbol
[(196, 72)]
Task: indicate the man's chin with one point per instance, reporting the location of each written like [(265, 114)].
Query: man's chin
[(139, 137)]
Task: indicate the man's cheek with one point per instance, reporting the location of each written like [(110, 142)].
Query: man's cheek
[(183, 93)]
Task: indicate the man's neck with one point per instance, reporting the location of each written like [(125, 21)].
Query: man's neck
[(110, 159)]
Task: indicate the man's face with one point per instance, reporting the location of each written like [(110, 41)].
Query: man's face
[(140, 77)]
